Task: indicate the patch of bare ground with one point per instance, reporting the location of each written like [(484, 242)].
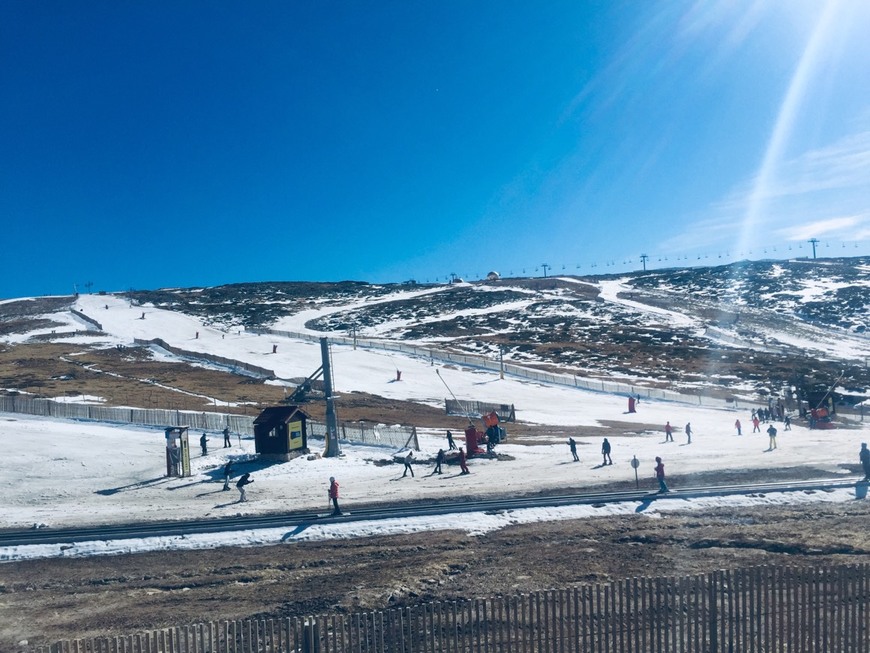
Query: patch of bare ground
[(44, 601)]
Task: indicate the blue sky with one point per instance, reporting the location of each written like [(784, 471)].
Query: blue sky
[(159, 144)]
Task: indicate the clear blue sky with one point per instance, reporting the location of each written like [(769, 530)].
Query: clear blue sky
[(156, 144)]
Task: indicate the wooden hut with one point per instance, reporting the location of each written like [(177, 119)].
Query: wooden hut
[(280, 432)]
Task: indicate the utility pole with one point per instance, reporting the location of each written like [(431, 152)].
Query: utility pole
[(544, 266), (332, 447), (813, 241), (643, 258)]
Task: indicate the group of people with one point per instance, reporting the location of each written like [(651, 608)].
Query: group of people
[(605, 451), (669, 432)]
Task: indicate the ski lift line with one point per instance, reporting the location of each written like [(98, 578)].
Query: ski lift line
[(467, 411), (833, 385)]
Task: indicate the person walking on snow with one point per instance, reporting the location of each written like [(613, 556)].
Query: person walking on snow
[(737, 426), (605, 452), (227, 443), (439, 460), (333, 495), (462, 464), (228, 471), (408, 460), (660, 475), (573, 446), (203, 442), (669, 432), (241, 483), (864, 457), (450, 443), (755, 423), (771, 432), (787, 422), (689, 432)]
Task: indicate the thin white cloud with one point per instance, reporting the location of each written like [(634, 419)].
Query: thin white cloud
[(852, 227)]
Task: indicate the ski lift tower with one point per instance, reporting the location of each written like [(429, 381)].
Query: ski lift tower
[(332, 446)]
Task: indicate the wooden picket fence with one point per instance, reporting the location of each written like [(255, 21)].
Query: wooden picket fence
[(756, 610)]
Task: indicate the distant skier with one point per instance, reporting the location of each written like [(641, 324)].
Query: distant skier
[(203, 442), (450, 443), (755, 424), (669, 432), (737, 426), (572, 444), (605, 452), (408, 468), (227, 442), (228, 472), (864, 457), (439, 460), (689, 432), (771, 432), (660, 475), (462, 464), (333, 495), (240, 485), (786, 423)]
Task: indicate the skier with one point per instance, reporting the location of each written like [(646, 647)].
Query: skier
[(408, 460), (787, 422), (755, 423), (439, 460), (450, 443), (462, 460), (203, 442), (227, 437), (864, 457), (573, 446), (333, 495), (669, 432), (660, 475), (228, 471), (241, 483), (771, 431), (737, 426), (605, 451), (689, 432)]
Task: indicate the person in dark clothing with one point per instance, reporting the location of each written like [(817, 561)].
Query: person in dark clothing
[(333, 495), (408, 460), (451, 445), (439, 460), (787, 423), (739, 427), (228, 471), (203, 442), (573, 446), (241, 483), (689, 432), (227, 443), (605, 451), (864, 457), (660, 475), (462, 459)]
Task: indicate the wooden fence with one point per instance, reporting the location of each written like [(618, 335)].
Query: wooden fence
[(756, 610)]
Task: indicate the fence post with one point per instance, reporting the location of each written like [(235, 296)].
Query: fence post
[(713, 616)]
